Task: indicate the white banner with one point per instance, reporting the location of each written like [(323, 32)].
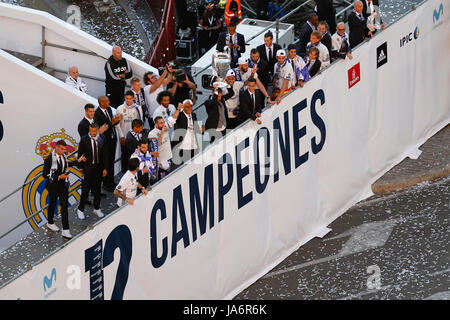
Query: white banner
[(217, 225)]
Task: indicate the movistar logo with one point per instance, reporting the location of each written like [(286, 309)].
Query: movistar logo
[(48, 282), (437, 13)]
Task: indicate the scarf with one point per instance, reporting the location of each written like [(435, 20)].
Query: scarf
[(54, 166)]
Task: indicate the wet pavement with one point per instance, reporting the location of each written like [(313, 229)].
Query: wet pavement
[(387, 247)]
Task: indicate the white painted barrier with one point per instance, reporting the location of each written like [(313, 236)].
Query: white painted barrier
[(36, 107), (22, 32), (210, 229)]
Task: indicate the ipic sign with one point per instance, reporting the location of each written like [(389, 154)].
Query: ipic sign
[(408, 38)]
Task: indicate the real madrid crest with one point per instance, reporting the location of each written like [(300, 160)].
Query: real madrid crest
[(34, 195)]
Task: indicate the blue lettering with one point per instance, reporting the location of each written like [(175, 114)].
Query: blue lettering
[(241, 172), (318, 121), (196, 205), (283, 144), (224, 189), (178, 210), (262, 133), (157, 261), (298, 134)]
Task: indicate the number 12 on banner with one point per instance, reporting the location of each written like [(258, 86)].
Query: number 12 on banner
[(96, 258)]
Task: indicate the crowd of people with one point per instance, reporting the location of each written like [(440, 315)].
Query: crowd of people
[(154, 124)]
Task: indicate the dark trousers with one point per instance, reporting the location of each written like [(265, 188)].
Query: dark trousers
[(115, 93), (58, 191), (233, 123), (92, 181), (124, 158), (108, 181)]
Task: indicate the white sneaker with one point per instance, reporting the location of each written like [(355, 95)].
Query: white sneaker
[(66, 234), (80, 214), (99, 213), (52, 227)]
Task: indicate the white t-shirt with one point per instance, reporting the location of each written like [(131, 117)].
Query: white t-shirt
[(129, 114), (150, 98), (127, 186), (233, 102), (164, 150), (190, 139), (282, 73), (164, 112)]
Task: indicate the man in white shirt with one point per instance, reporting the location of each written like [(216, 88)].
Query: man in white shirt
[(128, 185), (232, 104), (186, 130), (243, 73), (324, 54), (74, 80), (167, 111), (284, 77), (153, 86), (301, 71), (160, 132), (340, 44), (129, 112)]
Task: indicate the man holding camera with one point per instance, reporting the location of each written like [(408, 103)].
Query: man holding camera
[(153, 86), (181, 88)]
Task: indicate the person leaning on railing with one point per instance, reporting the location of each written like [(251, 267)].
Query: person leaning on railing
[(358, 25), (340, 45)]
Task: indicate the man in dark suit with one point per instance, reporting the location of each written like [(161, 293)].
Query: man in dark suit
[(89, 113), (251, 103), (93, 148), (305, 33), (83, 126), (133, 137), (103, 115), (56, 173), (368, 7), (358, 25), (217, 119), (233, 40), (268, 51), (327, 12), (262, 67), (326, 37), (186, 130)]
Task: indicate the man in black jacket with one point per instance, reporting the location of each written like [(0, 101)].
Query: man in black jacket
[(261, 66), (268, 51), (217, 119), (133, 137), (104, 115), (251, 103), (83, 126), (56, 173), (186, 130), (358, 25), (117, 69), (233, 40), (93, 148), (326, 37), (327, 12), (305, 33)]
